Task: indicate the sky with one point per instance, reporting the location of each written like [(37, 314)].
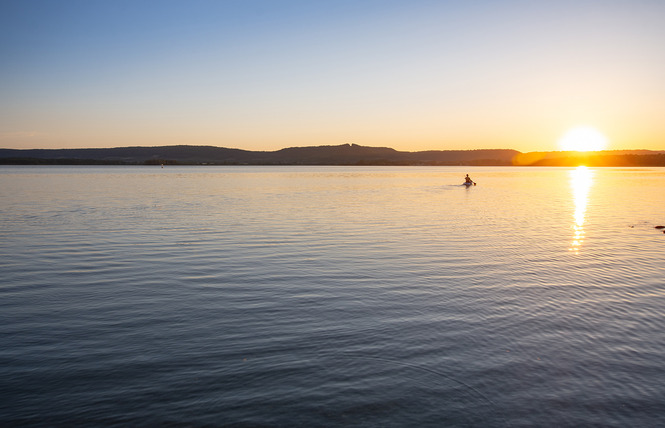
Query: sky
[(264, 75)]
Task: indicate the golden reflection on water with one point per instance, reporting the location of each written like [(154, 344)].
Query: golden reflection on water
[(581, 180)]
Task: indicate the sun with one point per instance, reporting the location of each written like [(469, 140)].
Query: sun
[(583, 139)]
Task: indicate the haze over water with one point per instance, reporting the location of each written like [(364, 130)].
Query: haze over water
[(332, 296)]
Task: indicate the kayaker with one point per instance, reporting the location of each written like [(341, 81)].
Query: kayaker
[(467, 179)]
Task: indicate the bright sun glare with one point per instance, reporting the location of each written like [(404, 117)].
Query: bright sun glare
[(582, 139)]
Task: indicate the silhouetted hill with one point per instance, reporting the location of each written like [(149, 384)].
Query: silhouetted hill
[(346, 154), (130, 155)]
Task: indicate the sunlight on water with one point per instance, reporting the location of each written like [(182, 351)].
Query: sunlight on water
[(331, 296), (581, 180)]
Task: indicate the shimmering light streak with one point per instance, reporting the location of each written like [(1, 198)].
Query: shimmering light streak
[(581, 180)]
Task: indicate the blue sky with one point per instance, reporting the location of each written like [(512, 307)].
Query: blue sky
[(263, 75)]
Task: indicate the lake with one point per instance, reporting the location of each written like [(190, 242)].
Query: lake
[(252, 296)]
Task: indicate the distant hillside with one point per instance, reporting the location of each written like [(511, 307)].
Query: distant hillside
[(346, 154), (126, 155)]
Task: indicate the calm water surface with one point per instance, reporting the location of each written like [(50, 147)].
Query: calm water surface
[(332, 296)]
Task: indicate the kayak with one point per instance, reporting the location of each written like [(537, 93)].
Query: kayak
[(468, 184)]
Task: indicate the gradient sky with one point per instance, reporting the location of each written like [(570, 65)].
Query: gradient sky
[(263, 75)]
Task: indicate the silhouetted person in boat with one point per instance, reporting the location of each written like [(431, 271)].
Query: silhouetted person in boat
[(468, 179)]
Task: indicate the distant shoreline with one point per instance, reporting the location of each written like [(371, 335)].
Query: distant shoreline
[(342, 155)]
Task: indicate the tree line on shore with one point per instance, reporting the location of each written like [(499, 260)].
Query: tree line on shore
[(346, 154)]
